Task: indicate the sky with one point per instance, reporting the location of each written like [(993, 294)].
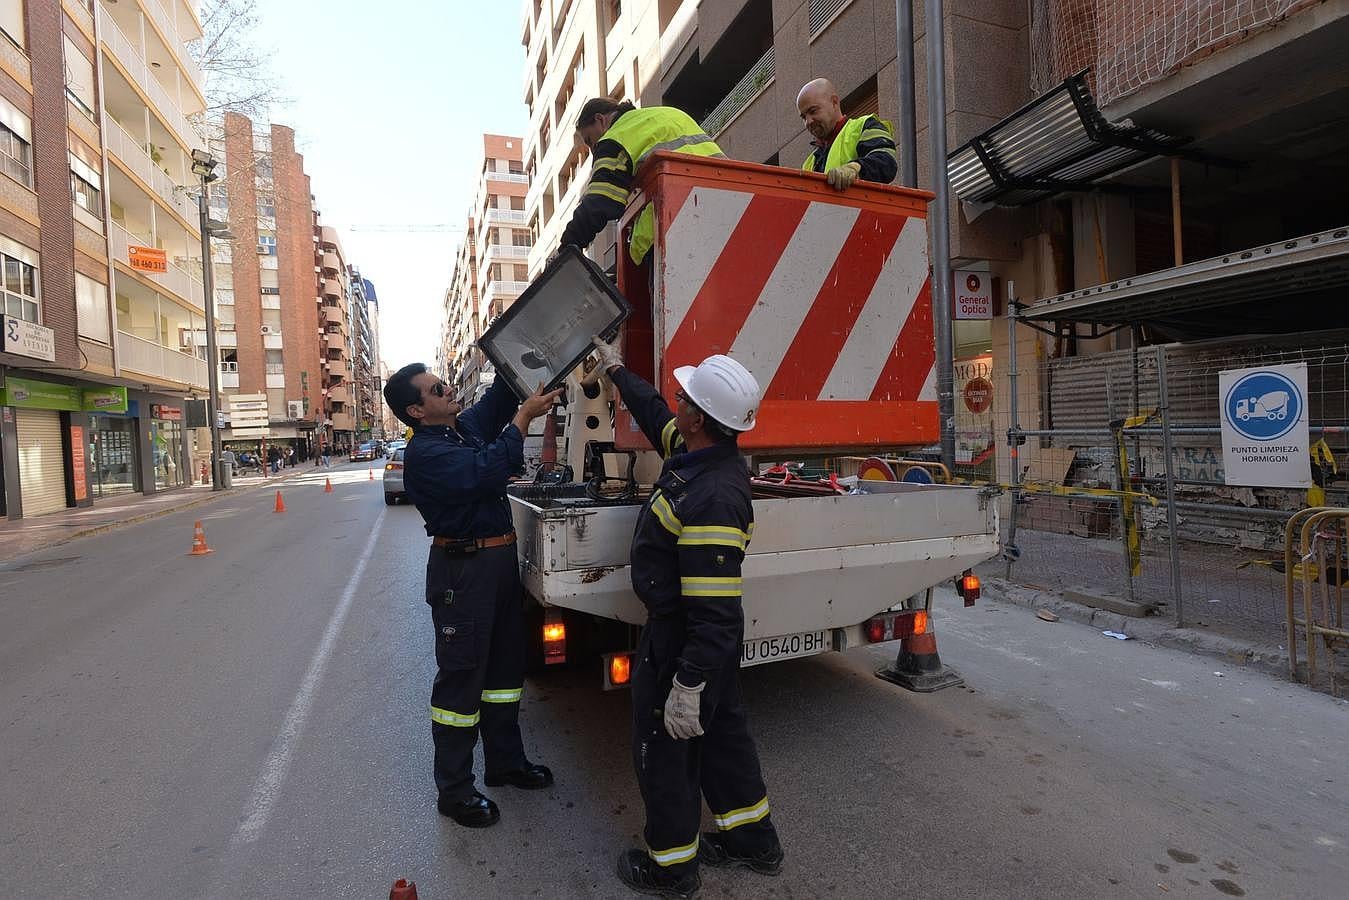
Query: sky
[(389, 102)]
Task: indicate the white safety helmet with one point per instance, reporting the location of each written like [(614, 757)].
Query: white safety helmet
[(723, 389)]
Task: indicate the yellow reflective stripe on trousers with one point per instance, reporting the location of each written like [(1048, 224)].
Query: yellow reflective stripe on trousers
[(675, 855), (743, 816), (449, 717), (703, 586), (667, 437), (713, 536), (665, 514), (502, 696)]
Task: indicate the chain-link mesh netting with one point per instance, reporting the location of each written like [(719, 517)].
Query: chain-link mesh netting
[(1131, 44)]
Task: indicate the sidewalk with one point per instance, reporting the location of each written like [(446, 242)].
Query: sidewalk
[(24, 536)]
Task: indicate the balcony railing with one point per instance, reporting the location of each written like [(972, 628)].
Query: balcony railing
[(519, 178), (169, 26), (503, 289), (506, 251), (175, 280), (505, 216), (148, 358), (759, 76), (132, 152), (134, 62)]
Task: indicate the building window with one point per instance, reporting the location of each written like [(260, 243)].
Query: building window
[(16, 156), (11, 20), (85, 187), (91, 308), (79, 78), (20, 288), (267, 245), (271, 291)]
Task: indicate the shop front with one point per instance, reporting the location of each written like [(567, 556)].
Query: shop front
[(167, 446), (114, 454)]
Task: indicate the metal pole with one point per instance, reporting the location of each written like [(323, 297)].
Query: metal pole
[(908, 129), (1122, 483), (212, 354), (1164, 402), (940, 221), (1013, 430)]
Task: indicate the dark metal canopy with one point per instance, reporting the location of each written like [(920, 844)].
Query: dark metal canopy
[(1285, 286), (1058, 142)]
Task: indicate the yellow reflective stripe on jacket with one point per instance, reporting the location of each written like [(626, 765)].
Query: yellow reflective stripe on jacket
[(667, 437), (707, 586), (742, 816), (674, 855), (502, 696), (713, 536), (665, 514), (449, 717), (609, 191), (698, 144)]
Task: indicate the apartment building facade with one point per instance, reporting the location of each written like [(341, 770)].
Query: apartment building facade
[(492, 267), (575, 50), (365, 377), (98, 234)]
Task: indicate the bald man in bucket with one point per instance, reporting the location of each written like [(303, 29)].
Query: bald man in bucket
[(845, 150)]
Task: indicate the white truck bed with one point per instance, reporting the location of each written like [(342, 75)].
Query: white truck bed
[(815, 564)]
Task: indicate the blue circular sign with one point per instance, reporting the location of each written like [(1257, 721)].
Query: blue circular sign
[(1263, 406)]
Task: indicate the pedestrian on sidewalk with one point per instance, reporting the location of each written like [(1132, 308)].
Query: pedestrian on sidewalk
[(689, 728), (455, 469)]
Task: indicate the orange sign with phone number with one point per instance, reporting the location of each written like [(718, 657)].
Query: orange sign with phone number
[(147, 259)]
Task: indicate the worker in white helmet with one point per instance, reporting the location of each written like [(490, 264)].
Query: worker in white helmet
[(689, 728)]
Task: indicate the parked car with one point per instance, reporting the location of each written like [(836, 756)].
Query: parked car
[(396, 445), (365, 452), (393, 478)]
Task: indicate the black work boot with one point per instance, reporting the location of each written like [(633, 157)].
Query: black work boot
[(475, 812), (713, 850), (531, 778), (638, 871)]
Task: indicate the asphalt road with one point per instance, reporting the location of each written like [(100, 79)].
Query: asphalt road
[(252, 724)]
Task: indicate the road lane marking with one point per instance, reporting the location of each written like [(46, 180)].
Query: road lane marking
[(274, 770)]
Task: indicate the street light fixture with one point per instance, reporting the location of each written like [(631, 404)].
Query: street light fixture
[(203, 166)]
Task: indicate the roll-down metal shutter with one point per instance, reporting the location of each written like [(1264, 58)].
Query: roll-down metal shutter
[(42, 470)]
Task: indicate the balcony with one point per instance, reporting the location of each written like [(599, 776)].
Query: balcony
[(755, 82), (520, 178), (154, 361), (176, 280), (132, 152), (343, 422), (339, 368), (168, 27), (134, 64), (332, 287), (505, 251), (503, 290), (340, 394), (331, 262), (505, 216)]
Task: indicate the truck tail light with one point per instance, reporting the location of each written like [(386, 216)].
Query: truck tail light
[(390, 466), (554, 637), (618, 670), (895, 626), (968, 585)]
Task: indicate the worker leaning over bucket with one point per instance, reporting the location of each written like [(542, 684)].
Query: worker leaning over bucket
[(620, 137), (845, 150), (455, 469), (689, 727)]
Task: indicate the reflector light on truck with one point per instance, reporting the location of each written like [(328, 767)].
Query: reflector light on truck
[(968, 586), (895, 626), (554, 637)]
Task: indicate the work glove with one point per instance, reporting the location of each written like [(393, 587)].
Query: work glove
[(681, 711), (609, 354), (841, 179)]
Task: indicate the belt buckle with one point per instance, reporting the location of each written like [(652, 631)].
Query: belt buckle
[(461, 548)]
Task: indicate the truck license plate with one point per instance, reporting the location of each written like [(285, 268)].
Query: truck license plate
[(783, 646)]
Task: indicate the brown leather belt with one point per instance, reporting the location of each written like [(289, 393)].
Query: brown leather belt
[(487, 543)]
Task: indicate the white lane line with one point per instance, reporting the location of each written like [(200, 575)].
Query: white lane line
[(274, 770)]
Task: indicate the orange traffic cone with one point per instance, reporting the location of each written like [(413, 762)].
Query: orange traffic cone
[(403, 890), (327, 485), (280, 504), (372, 473), (199, 547)]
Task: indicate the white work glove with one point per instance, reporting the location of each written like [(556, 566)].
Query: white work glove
[(609, 354), (681, 711), (841, 179)]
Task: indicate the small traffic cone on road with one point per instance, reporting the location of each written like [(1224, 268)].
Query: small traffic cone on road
[(403, 890), (918, 668), (327, 485), (280, 504), (199, 547), (372, 473)]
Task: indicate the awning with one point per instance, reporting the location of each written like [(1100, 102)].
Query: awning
[(1058, 142), (1287, 286)]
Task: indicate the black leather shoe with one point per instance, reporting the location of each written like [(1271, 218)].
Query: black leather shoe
[(713, 851), (531, 778), (638, 871), (475, 812)]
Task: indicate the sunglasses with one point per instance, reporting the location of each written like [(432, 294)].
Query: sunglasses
[(438, 389), (680, 395)]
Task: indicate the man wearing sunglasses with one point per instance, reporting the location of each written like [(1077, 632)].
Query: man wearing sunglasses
[(689, 728), (455, 469), (620, 138)]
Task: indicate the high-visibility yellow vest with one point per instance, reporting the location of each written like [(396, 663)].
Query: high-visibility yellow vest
[(844, 148), (641, 132)]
